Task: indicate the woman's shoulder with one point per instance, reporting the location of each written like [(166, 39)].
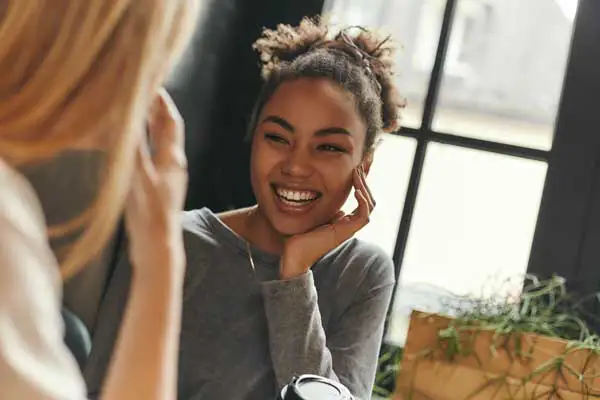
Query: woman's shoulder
[(204, 233), (23, 235), (362, 262), (41, 367), (362, 252), (196, 221), (19, 206), (366, 251)]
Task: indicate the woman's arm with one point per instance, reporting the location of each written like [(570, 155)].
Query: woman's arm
[(144, 365), (349, 351)]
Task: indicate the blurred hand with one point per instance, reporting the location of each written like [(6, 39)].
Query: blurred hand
[(157, 194), (302, 251)]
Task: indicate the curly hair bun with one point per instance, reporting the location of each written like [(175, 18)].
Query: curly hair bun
[(280, 47)]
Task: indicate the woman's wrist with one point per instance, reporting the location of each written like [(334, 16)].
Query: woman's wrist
[(160, 263), (291, 269)]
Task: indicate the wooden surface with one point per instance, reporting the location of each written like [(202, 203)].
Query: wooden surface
[(490, 374)]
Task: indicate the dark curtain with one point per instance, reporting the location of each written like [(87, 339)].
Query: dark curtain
[(215, 89)]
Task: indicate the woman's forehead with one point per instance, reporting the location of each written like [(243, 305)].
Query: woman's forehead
[(307, 102)]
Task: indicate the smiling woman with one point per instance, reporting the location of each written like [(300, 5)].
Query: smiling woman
[(308, 141), (281, 288)]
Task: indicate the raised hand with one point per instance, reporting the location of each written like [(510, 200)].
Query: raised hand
[(157, 195), (302, 251)]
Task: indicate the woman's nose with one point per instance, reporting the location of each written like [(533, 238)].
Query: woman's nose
[(298, 163)]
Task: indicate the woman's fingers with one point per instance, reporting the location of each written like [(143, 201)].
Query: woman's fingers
[(367, 190), (143, 176), (338, 216), (167, 133), (361, 190), (350, 224), (364, 207), (160, 179), (144, 165), (361, 186)]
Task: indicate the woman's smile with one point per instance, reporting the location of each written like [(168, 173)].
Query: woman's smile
[(295, 200)]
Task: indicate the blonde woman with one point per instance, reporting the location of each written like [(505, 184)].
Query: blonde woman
[(87, 74)]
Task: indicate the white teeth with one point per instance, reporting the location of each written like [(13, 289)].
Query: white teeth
[(294, 195)]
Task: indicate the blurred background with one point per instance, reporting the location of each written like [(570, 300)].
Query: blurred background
[(501, 82)]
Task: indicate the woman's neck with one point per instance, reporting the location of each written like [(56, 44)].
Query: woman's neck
[(252, 225), (261, 233)]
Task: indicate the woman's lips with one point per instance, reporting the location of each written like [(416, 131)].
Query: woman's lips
[(295, 200)]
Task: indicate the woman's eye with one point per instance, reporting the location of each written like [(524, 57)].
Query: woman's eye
[(275, 138), (332, 148)]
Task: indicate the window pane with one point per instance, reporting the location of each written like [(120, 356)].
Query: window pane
[(415, 25), (504, 70), (388, 180), (474, 222)]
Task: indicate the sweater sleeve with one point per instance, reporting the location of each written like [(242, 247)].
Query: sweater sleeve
[(349, 352)]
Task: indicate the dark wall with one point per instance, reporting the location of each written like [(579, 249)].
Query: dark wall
[(567, 239), (568, 230), (215, 90)]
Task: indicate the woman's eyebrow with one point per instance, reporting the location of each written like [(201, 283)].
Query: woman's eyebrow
[(334, 130), (279, 121)]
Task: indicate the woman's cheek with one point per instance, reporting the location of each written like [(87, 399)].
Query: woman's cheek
[(341, 186), (264, 159)]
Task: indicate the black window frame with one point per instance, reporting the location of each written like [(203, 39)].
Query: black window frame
[(567, 235)]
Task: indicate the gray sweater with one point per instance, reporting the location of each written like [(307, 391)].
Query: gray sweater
[(244, 336)]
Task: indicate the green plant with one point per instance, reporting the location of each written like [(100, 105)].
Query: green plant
[(387, 370), (544, 307)]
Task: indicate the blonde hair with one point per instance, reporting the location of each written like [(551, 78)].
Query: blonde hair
[(85, 70)]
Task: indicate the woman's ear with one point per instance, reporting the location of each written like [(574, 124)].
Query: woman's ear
[(367, 161)]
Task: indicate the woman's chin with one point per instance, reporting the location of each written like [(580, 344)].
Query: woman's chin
[(286, 224), (289, 231), (293, 228)]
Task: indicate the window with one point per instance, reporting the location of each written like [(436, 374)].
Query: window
[(393, 158), (483, 80), (469, 30)]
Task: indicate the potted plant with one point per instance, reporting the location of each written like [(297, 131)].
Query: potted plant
[(388, 367), (535, 346)]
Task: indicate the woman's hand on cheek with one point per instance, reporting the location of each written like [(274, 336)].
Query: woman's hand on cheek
[(302, 251)]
